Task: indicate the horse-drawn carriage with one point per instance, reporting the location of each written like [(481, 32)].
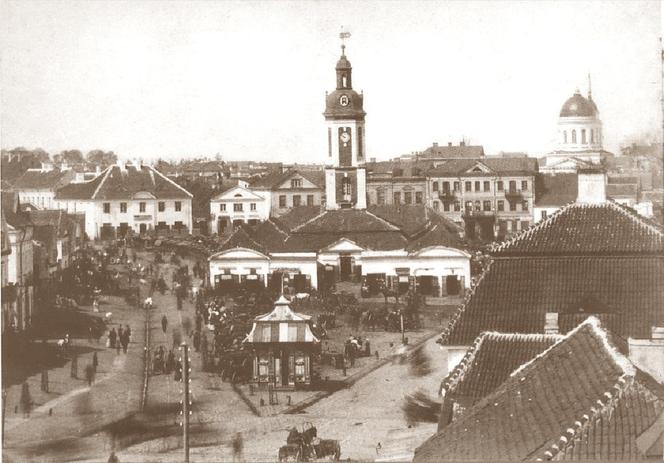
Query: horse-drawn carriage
[(303, 444)]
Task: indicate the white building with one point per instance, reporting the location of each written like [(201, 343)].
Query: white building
[(289, 189), (236, 205), (579, 138), (403, 248), (38, 186), (128, 197)]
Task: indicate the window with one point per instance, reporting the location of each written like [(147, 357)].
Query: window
[(397, 197), (446, 206), (252, 206), (123, 208), (487, 186), (512, 185), (543, 215), (310, 200), (508, 225), (524, 206), (477, 186), (178, 206), (161, 206), (457, 206), (237, 207), (469, 206), (380, 196), (469, 186), (500, 205), (434, 186), (486, 206), (513, 206), (107, 208), (573, 136), (408, 197), (222, 207), (282, 201), (457, 186), (141, 207), (446, 187), (299, 361), (478, 206), (436, 206), (297, 201), (499, 185), (346, 186), (565, 136), (592, 135), (583, 135), (524, 185), (296, 183), (418, 197)]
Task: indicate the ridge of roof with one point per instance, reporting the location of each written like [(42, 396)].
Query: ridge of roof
[(106, 172), (385, 221), (152, 170), (314, 218)]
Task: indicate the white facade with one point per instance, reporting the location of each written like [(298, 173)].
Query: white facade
[(40, 198), (19, 273), (238, 204)]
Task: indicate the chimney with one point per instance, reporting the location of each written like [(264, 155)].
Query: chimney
[(591, 186), (449, 143), (462, 143), (435, 144), (648, 354), (551, 323)]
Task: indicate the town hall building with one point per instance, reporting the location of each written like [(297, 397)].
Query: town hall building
[(402, 247)]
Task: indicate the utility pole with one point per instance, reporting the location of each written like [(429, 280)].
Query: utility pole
[(185, 402)]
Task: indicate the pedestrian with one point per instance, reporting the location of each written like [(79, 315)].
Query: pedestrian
[(125, 341), (237, 447), (95, 361), (113, 458), (112, 337), (26, 399), (89, 374), (170, 362), (164, 324), (118, 344), (197, 340), (128, 331)]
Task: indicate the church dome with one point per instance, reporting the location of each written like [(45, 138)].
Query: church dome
[(578, 106), (344, 104)]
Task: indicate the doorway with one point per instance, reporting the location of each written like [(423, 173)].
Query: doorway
[(345, 267), (143, 228), (452, 285), (285, 364)]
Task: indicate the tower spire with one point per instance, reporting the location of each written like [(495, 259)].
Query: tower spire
[(343, 36)]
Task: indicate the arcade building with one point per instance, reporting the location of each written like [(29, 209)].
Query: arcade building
[(314, 247)]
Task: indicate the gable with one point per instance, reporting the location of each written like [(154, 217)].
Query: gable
[(237, 193), (440, 251), (286, 185), (343, 245), (479, 168), (143, 195), (237, 254)]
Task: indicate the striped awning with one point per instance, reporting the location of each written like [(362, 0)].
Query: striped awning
[(281, 325)]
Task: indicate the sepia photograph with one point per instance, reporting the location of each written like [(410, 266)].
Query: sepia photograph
[(331, 230)]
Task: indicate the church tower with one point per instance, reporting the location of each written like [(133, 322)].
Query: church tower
[(345, 175)]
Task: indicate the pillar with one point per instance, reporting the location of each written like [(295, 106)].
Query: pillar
[(330, 189), (361, 189)]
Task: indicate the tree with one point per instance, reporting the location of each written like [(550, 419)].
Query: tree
[(71, 156), (101, 157)]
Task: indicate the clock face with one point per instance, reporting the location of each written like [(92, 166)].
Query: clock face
[(343, 100), (345, 137)]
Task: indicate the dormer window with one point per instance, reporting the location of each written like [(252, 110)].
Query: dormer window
[(296, 183)]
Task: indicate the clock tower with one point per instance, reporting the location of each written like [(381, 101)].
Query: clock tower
[(345, 175)]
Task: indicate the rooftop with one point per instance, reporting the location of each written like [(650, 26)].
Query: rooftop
[(581, 398), (501, 165), (37, 180), (556, 189)]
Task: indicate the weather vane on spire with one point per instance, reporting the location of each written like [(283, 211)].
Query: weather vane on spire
[(343, 36)]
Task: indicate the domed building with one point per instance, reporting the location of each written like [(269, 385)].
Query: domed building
[(579, 141)]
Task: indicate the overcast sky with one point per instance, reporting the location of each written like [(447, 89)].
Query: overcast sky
[(180, 79)]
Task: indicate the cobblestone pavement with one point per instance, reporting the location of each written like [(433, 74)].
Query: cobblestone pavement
[(75, 409)]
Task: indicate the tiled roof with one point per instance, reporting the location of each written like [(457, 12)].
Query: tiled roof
[(296, 216), (241, 239), (117, 183), (382, 169), (500, 165), (514, 294), (276, 178), (555, 189), (580, 398), (587, 229), (345, 220), (441, 232), (490, 360), (452, 152), (410, 219), (37, 180)]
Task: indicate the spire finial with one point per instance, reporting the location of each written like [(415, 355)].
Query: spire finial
[(590, 88), (343, 35)]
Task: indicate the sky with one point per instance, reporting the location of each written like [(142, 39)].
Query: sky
[(247, 80)]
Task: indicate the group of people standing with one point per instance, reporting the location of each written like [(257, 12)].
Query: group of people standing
[(119, 339)]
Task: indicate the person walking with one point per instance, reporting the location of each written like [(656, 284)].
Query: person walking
[(113, 458), (237, 447), (164, 324), (26, 399), (112, 338), (90, 374), (125, 341), (128, 332), (95, 361), (118, 344)]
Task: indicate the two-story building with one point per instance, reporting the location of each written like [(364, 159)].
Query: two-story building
[(290, 189), (393, 182), (489, 196), (38, 186), (128, 197), (236, 204), (18, 290)]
